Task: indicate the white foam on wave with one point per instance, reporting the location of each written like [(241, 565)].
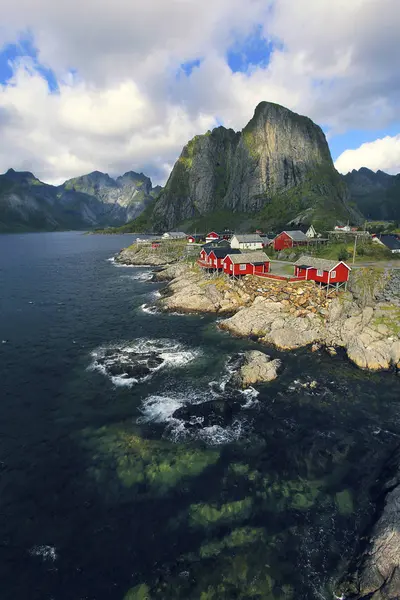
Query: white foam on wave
[(218, 387), (173, 353), (123, 266), (141, 276), (149, 309), (251, 395), (47, 553), (161, 408)]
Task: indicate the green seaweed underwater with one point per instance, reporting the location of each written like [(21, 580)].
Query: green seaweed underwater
[(236, 526)]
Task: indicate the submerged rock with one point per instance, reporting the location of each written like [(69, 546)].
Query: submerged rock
[(129, 365)]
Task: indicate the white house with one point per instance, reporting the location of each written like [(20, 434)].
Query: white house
[(174, 235), (311, 233), (342, 228), (247, 242)]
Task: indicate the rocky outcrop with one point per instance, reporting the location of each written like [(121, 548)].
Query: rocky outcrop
[(273, 324), (93, 200), (255, 367), (290, 315), (368, 284), (137, 255), (280, 163), (390, 291), (376, 573)]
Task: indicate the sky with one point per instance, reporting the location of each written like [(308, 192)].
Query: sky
[(117, 86)]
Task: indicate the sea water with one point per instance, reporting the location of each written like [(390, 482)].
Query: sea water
[(165, 483)]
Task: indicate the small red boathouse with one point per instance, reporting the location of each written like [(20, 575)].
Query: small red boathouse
[(250, 263), (289, 239), (326, 272)]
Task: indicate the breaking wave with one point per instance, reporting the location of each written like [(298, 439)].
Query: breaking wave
[(141, 276), (215, 416), (149, 309), (136, 362), (192, 416), (46, 553)]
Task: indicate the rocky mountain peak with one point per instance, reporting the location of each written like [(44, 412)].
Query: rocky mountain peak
[(279, 164)]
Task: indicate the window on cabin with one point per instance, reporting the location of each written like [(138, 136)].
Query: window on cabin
[(243, 267), (320, 273), (333, 274)]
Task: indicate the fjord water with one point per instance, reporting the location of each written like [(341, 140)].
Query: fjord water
[(103, 490)]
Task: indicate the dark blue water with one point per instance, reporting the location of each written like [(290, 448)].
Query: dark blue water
[(103, 491)]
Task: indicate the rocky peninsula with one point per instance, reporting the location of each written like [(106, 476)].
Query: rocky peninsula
[(138, 255), (290, 315)]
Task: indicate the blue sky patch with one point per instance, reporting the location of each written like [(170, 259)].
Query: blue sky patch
[(254, 50), (352, 139), (24, 48), (186, 68)]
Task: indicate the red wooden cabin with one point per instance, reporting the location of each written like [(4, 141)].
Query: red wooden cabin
[(212, 236), (217, 256), (289, 239), (250, 263), (327, 272)]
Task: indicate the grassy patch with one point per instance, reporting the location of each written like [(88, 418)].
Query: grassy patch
[(391, 319)]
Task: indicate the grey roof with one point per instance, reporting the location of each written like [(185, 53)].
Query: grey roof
[(248, 238), (320, 264), (391, 241), (249, 257), (221, 252), (297, 236)]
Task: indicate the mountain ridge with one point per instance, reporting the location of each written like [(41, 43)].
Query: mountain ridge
[(84, 202), (377, 194)]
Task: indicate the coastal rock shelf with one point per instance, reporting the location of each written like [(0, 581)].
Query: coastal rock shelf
[(289, 315), (143, 256)]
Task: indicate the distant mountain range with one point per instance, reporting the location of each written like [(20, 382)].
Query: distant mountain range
[(89, 201), (377, 195)]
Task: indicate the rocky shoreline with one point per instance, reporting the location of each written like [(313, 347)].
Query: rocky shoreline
[(289, 315), (138, 256)]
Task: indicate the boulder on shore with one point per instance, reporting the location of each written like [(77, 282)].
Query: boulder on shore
[(255, 367)]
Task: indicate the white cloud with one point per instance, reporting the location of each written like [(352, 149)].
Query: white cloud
[(125, 109), (382, 154)]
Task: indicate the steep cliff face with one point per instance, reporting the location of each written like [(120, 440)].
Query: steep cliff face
[(377, 195), (199, 180), (279, 164), (93, 200)]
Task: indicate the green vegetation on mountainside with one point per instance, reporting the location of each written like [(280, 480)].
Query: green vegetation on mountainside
[(318, 200)]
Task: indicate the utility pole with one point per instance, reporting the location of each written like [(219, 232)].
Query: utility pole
[(355, 246)]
